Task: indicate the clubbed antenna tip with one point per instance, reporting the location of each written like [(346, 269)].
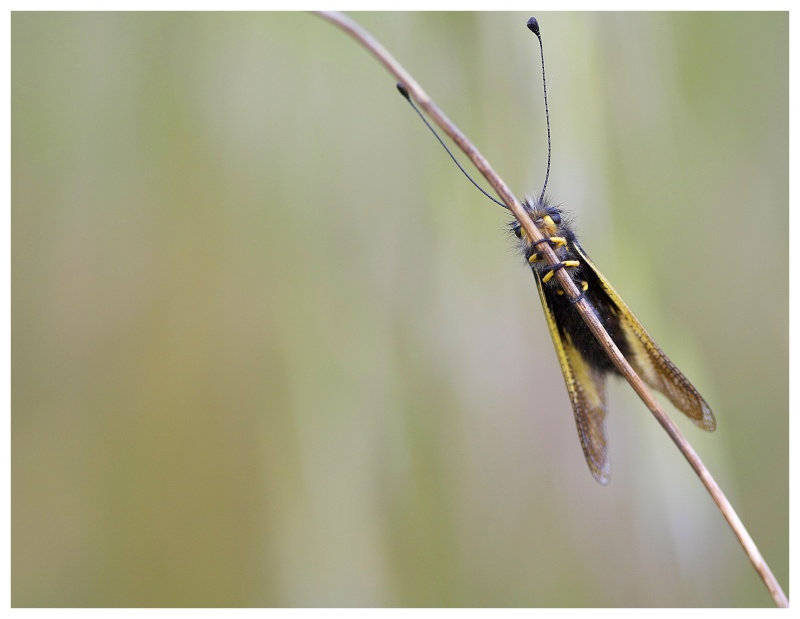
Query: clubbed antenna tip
[(533, 26)]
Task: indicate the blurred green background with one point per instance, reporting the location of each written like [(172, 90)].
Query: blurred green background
[(270, 348)]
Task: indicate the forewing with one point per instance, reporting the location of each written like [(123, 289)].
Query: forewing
[(586, 392), (652, 364)]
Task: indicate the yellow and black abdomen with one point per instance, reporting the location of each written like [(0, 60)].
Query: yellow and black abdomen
[(570, 325)]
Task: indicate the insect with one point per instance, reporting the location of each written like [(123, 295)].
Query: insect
[(584, 362)]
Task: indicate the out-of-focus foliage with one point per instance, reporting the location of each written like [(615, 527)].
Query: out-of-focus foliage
[(269, 347)]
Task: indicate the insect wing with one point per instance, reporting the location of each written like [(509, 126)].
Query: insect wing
[(651, 363), (586, 389)]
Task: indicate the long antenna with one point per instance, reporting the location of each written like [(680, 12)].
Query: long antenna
[(533, 26), (404, 91)]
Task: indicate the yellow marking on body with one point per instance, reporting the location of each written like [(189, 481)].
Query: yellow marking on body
[(533, 258), (547, 226), (566, 263)]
